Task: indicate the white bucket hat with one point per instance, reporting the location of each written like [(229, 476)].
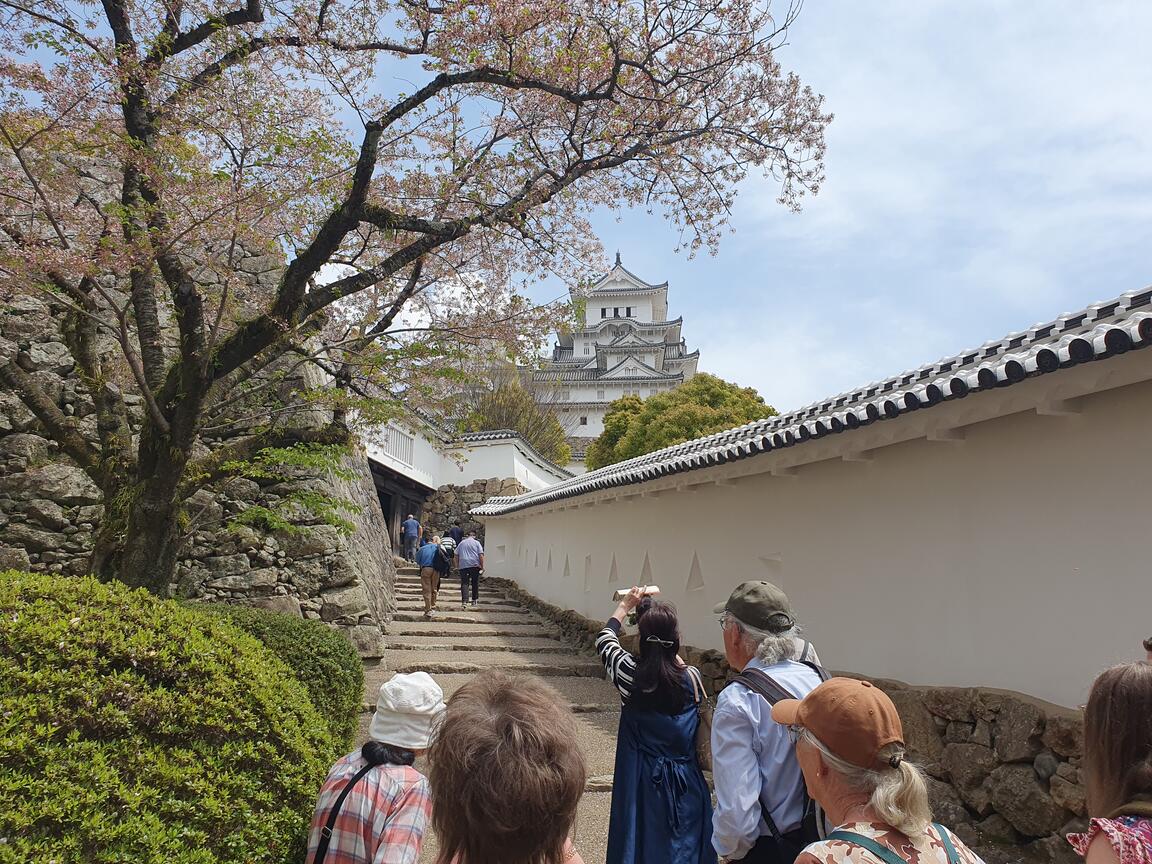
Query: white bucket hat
[(406, 711)]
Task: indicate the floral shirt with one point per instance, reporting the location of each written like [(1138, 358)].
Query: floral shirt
[(1130, 836), (925, 849)]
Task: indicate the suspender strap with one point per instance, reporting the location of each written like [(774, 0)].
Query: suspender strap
[(887, 855), (326, 831)]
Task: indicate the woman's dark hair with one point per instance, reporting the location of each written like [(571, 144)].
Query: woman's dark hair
[(1118, 738), (378, 753), (659, 677)]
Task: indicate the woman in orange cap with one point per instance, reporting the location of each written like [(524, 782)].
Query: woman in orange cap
[(850, 745)]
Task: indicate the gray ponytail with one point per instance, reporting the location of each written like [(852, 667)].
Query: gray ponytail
[(898, 794)]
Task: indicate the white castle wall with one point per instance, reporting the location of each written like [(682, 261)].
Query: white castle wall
[(975, 543)]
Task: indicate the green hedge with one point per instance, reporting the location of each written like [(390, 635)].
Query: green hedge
[(138, 730), (322, 659)]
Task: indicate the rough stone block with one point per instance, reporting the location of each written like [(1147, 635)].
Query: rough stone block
[(1064, 733), (951, 703), (920, 735), (969, 766), (65, 484), (278, 603), (1019, 726), (368, 640), (1069, 795), (47, 513), (50, 357), (31, 538), (1018, 796), (249, 580), (947, 807), (227, 565), (1046, 765), (13, 558), (349, 602)]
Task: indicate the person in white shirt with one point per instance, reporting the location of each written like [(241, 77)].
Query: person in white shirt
[(762, 811)]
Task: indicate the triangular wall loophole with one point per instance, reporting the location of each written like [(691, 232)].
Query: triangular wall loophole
[(646, 571), (695, 577), (567, 569), (587, 574), (549, 560), (613, 575)]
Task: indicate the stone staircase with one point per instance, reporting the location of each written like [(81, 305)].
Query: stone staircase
[(499, 633)]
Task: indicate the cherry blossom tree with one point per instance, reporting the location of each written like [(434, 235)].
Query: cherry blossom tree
[(392, 154)]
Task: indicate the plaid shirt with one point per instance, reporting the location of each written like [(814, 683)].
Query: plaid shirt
[(382, 820)]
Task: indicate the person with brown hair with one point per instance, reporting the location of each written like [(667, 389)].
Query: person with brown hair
[(506, 774), (1118, 767), (850, 745)]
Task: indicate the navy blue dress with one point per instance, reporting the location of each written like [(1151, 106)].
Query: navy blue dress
[(661, 806)]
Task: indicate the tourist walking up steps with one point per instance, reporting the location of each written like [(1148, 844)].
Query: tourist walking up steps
[(374, 806), (850, 745), (455, 531), (661, 807), (507, 774), (763, 813), (470, 563), (411, 531), (429, 558), (1118, 767)]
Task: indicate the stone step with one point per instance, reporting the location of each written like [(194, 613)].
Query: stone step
[(584, 694), (437, 626), (471, 642), (469, 616), (455, 605), (456, 662)]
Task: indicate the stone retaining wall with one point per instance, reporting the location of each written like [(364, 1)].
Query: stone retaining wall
[(50, 509), (1004, 769), (454, 502)]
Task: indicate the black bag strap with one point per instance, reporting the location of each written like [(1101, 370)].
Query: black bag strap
[(326, 831), (765, 686)]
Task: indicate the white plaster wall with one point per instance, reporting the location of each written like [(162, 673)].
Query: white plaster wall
[(1016, 558), (499, 459), (427, 463)]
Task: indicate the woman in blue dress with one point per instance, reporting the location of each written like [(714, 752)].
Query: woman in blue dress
[(661, 806)]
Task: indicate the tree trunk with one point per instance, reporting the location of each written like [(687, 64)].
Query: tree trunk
[(139, 538), (143, 552)]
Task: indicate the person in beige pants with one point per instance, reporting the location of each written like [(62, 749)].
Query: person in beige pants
[(429, 578)]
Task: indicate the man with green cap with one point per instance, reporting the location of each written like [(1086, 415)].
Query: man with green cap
[(763, 814)]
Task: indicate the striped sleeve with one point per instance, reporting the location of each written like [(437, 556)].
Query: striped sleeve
[(618, 663)]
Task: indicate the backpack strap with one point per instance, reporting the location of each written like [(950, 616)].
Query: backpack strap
[(326, 831), (699, 694), (765, 686), (882, 852), (887, 855)]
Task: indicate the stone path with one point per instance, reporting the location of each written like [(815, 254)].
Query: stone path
[(501, 634)]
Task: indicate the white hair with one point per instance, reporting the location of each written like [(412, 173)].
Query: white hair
[(766, 646), (898, 795)]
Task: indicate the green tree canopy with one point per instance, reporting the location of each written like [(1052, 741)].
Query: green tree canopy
[(508, 405), (704, 405)]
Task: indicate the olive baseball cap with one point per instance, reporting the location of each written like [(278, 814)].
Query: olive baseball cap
[(854, 719), (761, 605)]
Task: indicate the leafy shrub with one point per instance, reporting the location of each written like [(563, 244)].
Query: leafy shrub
[(138, 730), (322, 660)]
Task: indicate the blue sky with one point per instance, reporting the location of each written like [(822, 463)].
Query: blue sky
[(990, 166)]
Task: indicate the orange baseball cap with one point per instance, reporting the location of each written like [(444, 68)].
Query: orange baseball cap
[(854, 719)]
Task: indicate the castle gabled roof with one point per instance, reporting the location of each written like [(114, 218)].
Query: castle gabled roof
[(619, 271), (1100, 331), (645, 370)]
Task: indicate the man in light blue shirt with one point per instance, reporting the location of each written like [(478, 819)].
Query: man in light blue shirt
[(754, 764), (470, 563)]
